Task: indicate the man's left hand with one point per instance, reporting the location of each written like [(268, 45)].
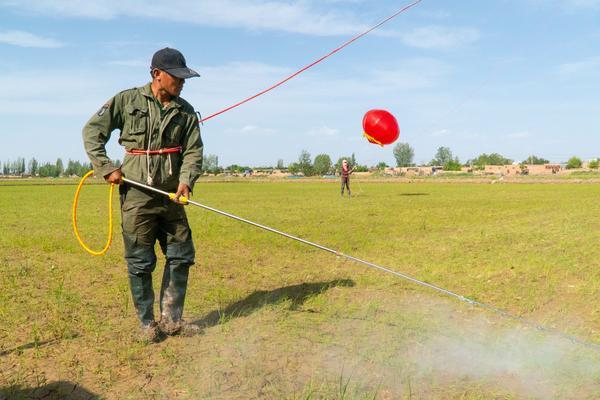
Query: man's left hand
[(182, 190)]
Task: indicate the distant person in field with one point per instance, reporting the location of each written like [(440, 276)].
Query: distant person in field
[(345, 174), (163, 149)]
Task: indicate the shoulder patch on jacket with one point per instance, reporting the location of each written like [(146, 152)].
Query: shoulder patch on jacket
[(102, 110)]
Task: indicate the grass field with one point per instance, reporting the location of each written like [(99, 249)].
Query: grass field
[(285, 321)]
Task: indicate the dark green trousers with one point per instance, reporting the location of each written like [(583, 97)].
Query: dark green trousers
[(148, 217), (345, 183)]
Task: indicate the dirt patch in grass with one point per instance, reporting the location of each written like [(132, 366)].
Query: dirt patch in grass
[(355, 343)]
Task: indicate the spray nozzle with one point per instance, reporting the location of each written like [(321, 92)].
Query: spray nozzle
[(181, 199)]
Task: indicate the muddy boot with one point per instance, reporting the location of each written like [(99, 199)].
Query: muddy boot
[(149, 333), (180, 327), (180, 257), (172, 298), (172, 291)]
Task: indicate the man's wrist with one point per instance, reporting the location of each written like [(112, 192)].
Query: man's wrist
[(107, 174)]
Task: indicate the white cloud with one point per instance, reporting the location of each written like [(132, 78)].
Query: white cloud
[(434, 14), (416, 73), (273, 126), (45, 92), (568, 5), (224, 84), (81, 92), (411, 74), (580, 3), (343, 1), (297, 17), (584, 3), (28, 39), (519, 135), (313, 92), (323, 131), (130, 63), (585, 66), (250, 69), (439, 37), (34, 84), (440, 133), (251, 130)]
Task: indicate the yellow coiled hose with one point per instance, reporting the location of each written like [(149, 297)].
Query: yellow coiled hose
[(110, 218)]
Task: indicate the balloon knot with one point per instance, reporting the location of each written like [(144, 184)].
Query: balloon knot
[(372, 139)]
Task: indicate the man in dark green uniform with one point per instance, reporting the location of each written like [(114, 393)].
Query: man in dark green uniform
[(161, 136)]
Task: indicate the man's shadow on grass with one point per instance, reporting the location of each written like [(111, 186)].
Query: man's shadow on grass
[(53, 391), (414, 194), (297, 294), (37, 344)]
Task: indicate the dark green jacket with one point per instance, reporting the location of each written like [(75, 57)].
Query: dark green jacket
[(137, 114)]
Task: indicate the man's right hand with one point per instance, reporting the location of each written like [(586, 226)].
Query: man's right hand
[(114, 177)]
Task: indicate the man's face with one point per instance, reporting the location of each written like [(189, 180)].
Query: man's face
[(169, 83)]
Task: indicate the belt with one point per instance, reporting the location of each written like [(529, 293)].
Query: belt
[(167, 150)]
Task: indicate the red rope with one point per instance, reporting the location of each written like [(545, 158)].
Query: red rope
[(313, 63), (167, 150)]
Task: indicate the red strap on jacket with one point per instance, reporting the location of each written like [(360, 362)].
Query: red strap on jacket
[(139, 152)]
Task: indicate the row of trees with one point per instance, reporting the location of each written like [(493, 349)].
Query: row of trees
[(21, 167), (404, 155), (321, 165), (210, 165)]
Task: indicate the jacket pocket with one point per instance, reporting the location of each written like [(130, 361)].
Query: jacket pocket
[(175, 131), (137, 120), (176, 134)]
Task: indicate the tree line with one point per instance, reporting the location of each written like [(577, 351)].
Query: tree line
[(32, 167), (404, 155), (322, 164)]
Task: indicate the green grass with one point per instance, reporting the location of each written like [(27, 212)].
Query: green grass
[(283, 320)]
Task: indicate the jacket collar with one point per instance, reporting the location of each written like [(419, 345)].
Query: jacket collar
[(147, 92)]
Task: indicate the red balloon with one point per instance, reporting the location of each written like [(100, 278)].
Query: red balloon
[(380, 127)]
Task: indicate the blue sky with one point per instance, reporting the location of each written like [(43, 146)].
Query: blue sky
[(517, 77)]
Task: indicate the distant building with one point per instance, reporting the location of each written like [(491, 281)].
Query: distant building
[(510, 169), (420, 171), (545, 169)]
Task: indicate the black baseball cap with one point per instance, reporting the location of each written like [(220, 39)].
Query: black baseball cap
[(173, 62)]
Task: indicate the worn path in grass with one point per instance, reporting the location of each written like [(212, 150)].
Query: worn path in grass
[(286, 321)]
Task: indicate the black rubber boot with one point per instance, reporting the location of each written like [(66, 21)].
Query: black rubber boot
[(143, 296)]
